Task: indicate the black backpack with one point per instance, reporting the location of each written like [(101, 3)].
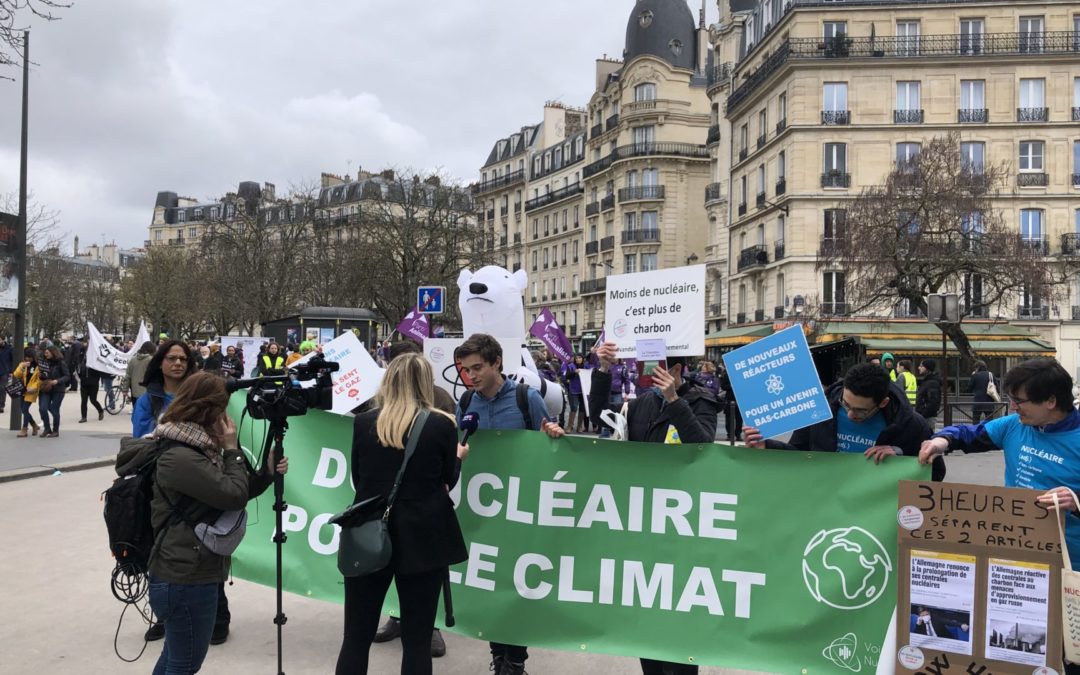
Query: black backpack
[(522, 395)]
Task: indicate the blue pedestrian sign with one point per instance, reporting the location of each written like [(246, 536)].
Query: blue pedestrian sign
[(776, 383), (429, 299)]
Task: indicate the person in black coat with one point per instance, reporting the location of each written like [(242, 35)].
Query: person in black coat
[(424, 530), (865, 393), (928, 399), (977, 384), (6, 368), (75, 355)]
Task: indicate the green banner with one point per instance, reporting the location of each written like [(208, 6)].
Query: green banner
[(708, 554)]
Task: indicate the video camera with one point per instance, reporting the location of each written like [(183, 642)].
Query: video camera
[(276, 397)]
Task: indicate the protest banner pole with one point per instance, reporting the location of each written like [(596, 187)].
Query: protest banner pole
[(20, 231)]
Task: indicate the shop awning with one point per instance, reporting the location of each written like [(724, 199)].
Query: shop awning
[(738, 336), (1029, 347)]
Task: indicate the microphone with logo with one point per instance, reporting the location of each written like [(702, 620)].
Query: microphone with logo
[(470, 422)]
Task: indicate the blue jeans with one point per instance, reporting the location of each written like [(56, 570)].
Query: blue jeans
[(49, 404), (27, 418), (110, 397), (188, 611)]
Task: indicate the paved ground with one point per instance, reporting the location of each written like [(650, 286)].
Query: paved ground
[(60, 617)]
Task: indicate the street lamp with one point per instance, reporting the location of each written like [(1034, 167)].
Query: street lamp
[(692, 259), (604, 263), (943, 309)]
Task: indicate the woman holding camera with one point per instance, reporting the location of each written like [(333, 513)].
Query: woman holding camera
[(55, 377), (201, 473), (424, 530)]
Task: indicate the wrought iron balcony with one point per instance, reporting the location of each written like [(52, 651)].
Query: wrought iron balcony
[(834, 117), (592, 209), (500, 182), (517, 207), (636, 236), (602, 164), (835, 179), (714, 192), (1075, 313), (907, 116), (753, 256), (716, 309), (1032, 179), (1035, 245), (1076, 180), (742, 209), (607, 203), (1032, 114), (641, 192), (743, 153), (1076, 114), (612, 122), (1070, 244), (720, 74), (504, 211), (596, 130), (594, 286), (517, 238), (592, 247), (972, 115), (778, 250), (781, 186), (1035, 313), (778, 312), (607, 243), (517, 266), (554, 196), (925, 46), (714, 134), (780, 126), (740, 317), (830, 247), (760, 200), (761, 141), (759, 315), (502, 241), (834, 309)]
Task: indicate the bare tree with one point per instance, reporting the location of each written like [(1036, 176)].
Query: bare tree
[(14, 15), (41, 221), (48, 294), (932, 225), (161, 288)]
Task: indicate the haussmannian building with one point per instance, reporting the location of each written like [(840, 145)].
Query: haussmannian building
[(814, 100)]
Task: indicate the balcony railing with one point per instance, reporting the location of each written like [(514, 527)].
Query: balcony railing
[(641, 192), (607, 243), (592, 247), (834, 309), (972, 115), (1037, 246), (554, 196), (1076, 180), (830, 247), (594, 286), (753, 256), (646, 149), (612, 122), (986, 44), (714, 134), (1070, 244), (1032, 114), (743, 154), (778, 312), (502, 240), (778, 250), (761, 141), (760, 200), (1075, 313), (740, 318), (716, 309), (607, 203), (832, 117), (907, 116), (596, 167), (1076, 114), (719, 74), (742, 209), (1037, 313), (1032, 179), (759, 315), (714, 192), (780, 126), (500, 182), (781, 186), (596, 130), (592, 209), (491, 214), (835, 179), (636, 236)]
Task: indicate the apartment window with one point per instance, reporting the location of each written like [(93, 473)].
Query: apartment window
[(1076, 160), (193, 232), (836, 158), (534, 259), (645, 92), (547, 225), (214, 213), (763, 124), (230, 211), (644, 135), (558, 157), (835, 223), (971, 36), (631, 179), (547, 259), (907, 96), (744, 138), (1033, 303), (742, 299), (1031, 156), (781, 296), (907, 38), (781, 107), (973, 291), (835, 97), (761, 234), (157, 235), (906, 155), (630, 263), (1031, 34), (833, 29), (781, 166), (579, 146), (575, 249), (537, 166), (973, 157), (592, 232), (181, 216), (742, 190), (972, 94), (650, 177), (650, 221), (648, 262), (1031, 225), (833, 292), (761, 179), (781, 228), (630, 221), (536, 228), (1033, 93)]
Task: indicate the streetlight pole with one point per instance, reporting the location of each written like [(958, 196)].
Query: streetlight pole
[(21, 270), (943, 309)]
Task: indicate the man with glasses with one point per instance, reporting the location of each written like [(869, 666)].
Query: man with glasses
[(871, 416)]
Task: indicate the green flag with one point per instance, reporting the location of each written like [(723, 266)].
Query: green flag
[(707, 554)]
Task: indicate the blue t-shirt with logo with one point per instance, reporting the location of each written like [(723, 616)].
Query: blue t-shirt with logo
[(857, 436), (1042, 459)]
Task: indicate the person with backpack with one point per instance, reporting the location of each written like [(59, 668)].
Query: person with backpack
[(55, 376), (200, 473), (171, 365), (28, 373)]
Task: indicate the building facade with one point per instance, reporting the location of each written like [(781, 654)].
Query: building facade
[(814, 101)]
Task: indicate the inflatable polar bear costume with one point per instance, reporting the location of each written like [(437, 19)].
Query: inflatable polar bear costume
[(490, 301)]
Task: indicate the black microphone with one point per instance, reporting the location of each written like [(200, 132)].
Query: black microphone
[(470, 422)]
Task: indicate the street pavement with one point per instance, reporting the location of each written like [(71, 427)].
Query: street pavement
[(61, 618)]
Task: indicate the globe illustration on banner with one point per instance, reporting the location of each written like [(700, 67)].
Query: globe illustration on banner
[(846, 568)]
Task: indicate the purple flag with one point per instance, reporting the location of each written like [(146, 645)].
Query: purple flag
[(546, 329), (415, 326)]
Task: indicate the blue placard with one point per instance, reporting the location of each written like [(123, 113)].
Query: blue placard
[(776, 384), (429, 299)]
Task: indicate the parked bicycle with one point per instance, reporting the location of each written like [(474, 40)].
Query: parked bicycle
[(121, 396)]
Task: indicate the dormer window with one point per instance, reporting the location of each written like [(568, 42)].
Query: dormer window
[(181, 216), (676, 47), (645, 18)]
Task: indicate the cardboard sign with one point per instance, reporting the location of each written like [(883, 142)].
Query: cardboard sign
[(979, 574), (776, 383), (358, 377), (668, 305), (440, 353)]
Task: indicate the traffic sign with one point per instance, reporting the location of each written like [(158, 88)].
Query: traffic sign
[(430, 299)]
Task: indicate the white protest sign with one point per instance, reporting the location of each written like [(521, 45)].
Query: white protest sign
[(440, 354), (104, 357), (664, 304), (358, 376)]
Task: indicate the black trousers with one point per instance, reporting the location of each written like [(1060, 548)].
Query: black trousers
[(511, 653), (650, 667), (89, 393), (419, 598)]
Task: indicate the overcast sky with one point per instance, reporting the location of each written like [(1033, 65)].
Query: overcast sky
[(130, 97)]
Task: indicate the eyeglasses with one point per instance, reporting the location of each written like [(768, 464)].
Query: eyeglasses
[(176, 359), (857, 413), (1017, 402)]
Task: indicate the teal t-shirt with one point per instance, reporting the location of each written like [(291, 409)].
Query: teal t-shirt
[(857, 436)]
